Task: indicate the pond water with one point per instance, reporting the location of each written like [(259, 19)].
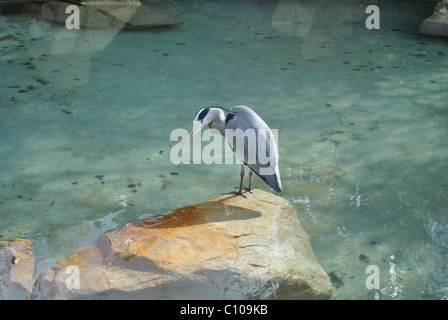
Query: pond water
[(362, 119)]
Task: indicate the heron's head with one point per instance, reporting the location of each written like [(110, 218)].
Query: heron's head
[(204, 117)]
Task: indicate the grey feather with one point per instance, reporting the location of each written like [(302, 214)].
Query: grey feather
[(255, 145)]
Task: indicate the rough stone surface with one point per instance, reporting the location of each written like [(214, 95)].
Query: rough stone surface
[(16, 269), (109, 15), (88, 18), (136, 17), (228, 248), (435, 25)]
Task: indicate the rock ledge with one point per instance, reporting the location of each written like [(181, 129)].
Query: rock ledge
[(16, 269)]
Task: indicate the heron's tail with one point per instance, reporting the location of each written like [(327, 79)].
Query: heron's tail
[(273, 180)]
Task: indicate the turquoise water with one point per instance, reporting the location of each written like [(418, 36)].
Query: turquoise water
[(86, 118)]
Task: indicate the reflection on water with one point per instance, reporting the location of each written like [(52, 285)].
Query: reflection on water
[(86, 117)]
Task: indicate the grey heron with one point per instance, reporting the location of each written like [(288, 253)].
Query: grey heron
[(248, 136)]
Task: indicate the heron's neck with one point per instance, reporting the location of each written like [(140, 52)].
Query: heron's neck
[(219, 123)]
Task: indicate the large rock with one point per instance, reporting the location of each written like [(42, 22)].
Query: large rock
[(135, 16), (54, 11), (16, 269), (437, 23), (107, 15), (228, 248)]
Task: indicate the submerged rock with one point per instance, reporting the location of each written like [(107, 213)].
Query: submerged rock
[(227, 248), (16, 269)]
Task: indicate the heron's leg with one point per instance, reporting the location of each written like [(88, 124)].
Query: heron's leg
[(251, 173), (242, 179)]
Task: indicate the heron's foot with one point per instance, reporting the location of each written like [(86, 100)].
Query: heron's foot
[(237, 193), (248, 189)]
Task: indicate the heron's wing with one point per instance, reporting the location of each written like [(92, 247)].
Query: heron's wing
[(254, 144)]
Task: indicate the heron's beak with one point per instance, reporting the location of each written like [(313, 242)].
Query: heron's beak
[(197, 126)]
